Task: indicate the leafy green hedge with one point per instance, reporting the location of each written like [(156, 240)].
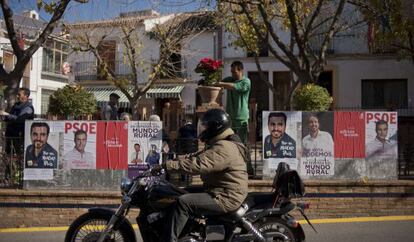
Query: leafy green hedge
[(72, 100), (311, 97)]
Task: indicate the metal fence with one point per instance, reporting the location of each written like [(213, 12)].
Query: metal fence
[(12, 155), (11, 162)]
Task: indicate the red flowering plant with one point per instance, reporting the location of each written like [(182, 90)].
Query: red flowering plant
[(210, 70)]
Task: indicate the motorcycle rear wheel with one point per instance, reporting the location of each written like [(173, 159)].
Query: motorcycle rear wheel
[(89, 226), (273, 224)]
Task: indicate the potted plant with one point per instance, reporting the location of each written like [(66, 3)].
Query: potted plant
[(210, 69)]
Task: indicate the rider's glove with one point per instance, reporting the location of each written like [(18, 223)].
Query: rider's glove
[(156, 169)]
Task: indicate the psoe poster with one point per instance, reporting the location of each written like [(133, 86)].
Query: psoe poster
[(41, 150), (79, 139), (281, 138), (381, 136)]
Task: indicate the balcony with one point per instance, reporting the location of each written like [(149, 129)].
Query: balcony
[(88, 71), (316, 44)]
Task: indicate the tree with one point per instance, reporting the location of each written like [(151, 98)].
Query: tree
[(72, 100), (171, 36), (391, 25), (12, 79), (309, 24)]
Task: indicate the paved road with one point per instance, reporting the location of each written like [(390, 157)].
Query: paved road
[(384, 231)]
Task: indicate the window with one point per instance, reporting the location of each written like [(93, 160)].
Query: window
[(54, 55), (384, 93), (46, 93)]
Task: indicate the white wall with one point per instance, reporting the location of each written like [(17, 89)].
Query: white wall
[(197, 47), (37, 83), (349, 73)]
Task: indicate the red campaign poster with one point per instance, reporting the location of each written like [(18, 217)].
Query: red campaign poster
[(112, 145), (349, 135)]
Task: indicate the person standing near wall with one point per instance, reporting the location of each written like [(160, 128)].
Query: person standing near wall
[(237, 103), (110, 111), (21, 111)]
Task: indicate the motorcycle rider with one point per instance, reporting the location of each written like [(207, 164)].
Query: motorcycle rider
[(223, 171)]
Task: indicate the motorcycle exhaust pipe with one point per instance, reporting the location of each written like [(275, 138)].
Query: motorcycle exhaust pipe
[(253, 230)]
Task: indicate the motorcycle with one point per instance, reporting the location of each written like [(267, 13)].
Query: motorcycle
[(262, 216)]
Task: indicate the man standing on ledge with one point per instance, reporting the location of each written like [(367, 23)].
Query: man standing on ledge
[(237, 103)]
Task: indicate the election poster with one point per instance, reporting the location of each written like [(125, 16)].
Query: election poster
[(144, 146), (281, 138), (112, 145), (41, 144), (79, 145), (349, 135), (317, 144), (381, 138)]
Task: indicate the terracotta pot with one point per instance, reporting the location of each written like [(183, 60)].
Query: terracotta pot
[(209, 94)]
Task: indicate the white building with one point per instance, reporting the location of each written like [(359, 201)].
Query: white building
[(43, 74), (355, 76), (181, 88)]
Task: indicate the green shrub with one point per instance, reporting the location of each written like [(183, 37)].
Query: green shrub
[(72, 100), (311, 97)]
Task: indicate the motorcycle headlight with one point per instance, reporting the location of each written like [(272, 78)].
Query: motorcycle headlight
[(126, 185)]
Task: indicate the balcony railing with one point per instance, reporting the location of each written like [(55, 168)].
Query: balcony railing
[(316, 44), (89, 71)]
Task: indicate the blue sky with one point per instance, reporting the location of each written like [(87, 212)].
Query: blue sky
[(105, 9)]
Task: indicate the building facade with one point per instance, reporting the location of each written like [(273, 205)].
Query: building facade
[(43, 74)]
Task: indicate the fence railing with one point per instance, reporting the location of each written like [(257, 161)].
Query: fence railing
[(12, 155), (89, 71), (11, 162)]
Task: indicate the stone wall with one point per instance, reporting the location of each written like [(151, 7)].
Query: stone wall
[(328, 199)]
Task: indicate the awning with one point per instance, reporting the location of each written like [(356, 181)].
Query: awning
[(165, 92), (102, 93)]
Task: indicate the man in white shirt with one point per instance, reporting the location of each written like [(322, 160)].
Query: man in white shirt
[(137, 157), (317, 143), (381, 148), (78, 158)]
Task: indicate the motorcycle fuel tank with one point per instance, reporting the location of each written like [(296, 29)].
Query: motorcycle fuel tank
[(163, 194)]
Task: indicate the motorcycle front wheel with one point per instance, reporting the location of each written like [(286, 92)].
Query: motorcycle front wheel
[(89, 226), (274, 224)]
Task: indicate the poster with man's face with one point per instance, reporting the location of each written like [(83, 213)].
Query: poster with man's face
[(281, 133), (317, 144), (79, 139), (41, 154), (381, 136), (144, 146)]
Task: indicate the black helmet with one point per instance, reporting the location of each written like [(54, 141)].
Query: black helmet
[(215, 121)]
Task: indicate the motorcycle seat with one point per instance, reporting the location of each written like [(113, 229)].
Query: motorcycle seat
[(259, 199), (254, 200)]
